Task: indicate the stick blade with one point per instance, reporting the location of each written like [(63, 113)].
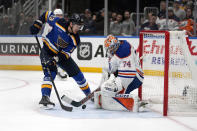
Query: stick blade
[(70, 101), (67, 108)]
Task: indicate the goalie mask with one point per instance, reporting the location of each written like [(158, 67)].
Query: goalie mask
[(111, 44)]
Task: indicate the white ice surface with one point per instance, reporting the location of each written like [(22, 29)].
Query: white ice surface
[(19, 110)]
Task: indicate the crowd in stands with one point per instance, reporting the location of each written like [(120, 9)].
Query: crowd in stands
[(18, 27), (180, 17)]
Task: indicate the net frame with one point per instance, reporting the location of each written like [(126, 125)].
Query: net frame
[(166, 65)]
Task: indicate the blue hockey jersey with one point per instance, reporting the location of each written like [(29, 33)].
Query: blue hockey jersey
[(58, 39)]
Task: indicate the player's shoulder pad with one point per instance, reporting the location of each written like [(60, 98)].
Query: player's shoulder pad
[(62, 22), (124, 49)]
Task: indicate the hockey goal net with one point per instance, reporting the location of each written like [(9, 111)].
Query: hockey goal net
[(170, 72)]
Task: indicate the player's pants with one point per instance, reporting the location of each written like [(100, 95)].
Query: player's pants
[(136, 83), (68, 65)]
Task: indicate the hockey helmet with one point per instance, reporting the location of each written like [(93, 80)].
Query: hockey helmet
[(111, 44), (58, 12), (76, 19)]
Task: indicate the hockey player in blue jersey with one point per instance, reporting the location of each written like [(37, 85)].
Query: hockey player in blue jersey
[(60, 42)]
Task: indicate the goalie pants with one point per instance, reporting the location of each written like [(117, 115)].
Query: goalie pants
[(136, 83), (68, 65)]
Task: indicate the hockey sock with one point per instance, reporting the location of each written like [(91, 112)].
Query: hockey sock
[(81, 81), (46, 89), (47, 84)]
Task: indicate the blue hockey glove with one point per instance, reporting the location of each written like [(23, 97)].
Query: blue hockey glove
[(35, 28)]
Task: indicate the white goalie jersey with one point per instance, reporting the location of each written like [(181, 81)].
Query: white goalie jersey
[(126, 61)]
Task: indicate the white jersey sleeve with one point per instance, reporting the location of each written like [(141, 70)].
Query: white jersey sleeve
[(47, 28), (113, 65)]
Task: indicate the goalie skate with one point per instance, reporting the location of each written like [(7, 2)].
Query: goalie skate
[(46, 104)]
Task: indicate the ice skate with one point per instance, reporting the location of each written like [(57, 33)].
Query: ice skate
[(45, 103)]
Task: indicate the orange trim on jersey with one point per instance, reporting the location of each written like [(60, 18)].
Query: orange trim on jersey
[(61, 27), (54, 51), (141, 73), (37, 26), (67, 56), (132, 74), (74, 40), (85, 87), (128, 103), (46, 15), (46, 86)]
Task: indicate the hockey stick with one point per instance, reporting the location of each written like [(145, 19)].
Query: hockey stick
[(81, 102), (66, 108)]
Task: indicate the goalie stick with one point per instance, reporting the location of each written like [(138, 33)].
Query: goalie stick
[(81, 102), (66, 108)]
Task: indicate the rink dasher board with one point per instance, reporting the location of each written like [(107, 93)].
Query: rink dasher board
[(22, 53)]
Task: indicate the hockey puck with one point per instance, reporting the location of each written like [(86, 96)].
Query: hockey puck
[(84, 106)]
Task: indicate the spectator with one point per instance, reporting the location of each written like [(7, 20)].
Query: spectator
[(99, 25), (171, 15), (162, 12), (89, 23), (12, 30), (128, 26), (183, 4), (151, 24), (172, 22), (148, 17), (6, 26), (116, 26), (180, 13), (187, 23), (24, 29), (113, 17), (20, 22)]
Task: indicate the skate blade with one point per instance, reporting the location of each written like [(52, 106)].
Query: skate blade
[(47, 107)]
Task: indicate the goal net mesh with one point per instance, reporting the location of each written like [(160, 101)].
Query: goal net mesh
[(182, 90)]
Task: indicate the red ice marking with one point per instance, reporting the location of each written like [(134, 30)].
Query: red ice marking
[(25, 83), (176, 121)]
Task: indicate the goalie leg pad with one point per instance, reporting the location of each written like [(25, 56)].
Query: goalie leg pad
[(118, 102), (97, 99)]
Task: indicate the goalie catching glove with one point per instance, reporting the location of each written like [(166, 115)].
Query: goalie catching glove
[(110, 98)]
